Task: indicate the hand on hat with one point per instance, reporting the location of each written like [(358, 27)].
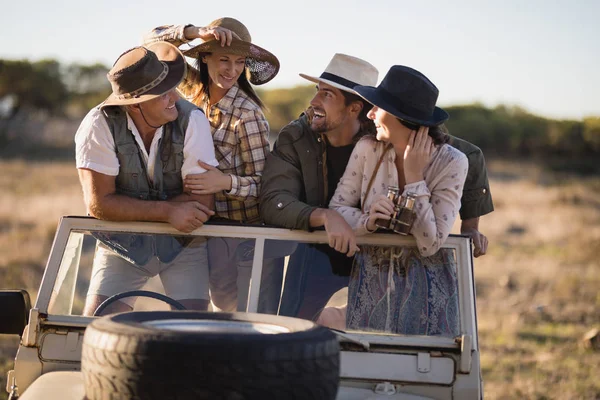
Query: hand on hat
[(209, 182), (206, 33), (417, 155)]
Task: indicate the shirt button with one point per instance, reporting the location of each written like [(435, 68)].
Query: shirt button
[(484, 191), (319, 140), (279, 205)]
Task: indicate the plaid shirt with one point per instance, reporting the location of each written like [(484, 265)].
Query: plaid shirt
[(240, 134)]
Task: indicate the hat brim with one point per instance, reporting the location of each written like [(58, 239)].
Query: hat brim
[(177, 71), (373, 96), (330, 83), (262, 64)]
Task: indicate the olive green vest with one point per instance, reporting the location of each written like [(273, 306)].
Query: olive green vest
[(133, 181)]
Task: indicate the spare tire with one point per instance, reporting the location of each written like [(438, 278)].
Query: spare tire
[(204, 355)]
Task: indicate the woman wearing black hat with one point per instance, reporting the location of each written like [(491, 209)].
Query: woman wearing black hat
[(410, 290)]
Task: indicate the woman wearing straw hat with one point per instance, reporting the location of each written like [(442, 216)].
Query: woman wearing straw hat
[(227, 63), (408, 290)]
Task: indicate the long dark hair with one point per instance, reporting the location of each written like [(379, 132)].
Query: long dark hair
[(438, 133), (367, 126), (201, 93)]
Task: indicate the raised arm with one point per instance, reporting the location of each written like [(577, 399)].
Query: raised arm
[(180, 34), (438, 200)]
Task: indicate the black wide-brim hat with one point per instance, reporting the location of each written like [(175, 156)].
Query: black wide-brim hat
[(406, 94)]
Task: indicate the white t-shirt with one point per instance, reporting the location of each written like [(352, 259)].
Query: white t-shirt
[(95, 145)]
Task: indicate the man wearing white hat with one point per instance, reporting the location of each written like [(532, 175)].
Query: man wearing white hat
[(132, 152), (301, 175)]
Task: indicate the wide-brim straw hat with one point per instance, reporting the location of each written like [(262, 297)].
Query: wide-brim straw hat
[(344, 72), (406, 94), (261, 64), (144, 73)]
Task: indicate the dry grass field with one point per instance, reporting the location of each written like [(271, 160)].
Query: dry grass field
[(538, 288)]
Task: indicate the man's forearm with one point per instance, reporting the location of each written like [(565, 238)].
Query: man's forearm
[(318, 217), (469, 224), (117, 207), (207, 199)]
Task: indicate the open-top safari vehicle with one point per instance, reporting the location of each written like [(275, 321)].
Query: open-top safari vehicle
[(242, 355)]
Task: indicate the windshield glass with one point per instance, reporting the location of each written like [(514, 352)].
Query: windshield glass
[(388, 289)]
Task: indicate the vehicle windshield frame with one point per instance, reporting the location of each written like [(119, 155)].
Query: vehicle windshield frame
[(459, 243)]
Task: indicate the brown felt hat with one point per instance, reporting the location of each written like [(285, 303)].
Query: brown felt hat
[(144, 73), (262, 64)]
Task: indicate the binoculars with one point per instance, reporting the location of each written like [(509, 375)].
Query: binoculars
[(403, 216)]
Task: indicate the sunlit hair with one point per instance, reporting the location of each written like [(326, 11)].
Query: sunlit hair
[(199, 88), (367, 126)]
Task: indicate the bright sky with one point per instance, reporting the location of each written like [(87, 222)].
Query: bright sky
[(543, 55)]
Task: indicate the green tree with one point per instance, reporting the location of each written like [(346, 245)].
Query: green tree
[(285, 105), (35, 86)]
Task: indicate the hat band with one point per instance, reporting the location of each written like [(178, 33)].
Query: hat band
[(138, 92), (407, 109), (338, 79)]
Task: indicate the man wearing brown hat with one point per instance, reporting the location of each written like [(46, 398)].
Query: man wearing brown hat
[(301, 175), (132, 153)]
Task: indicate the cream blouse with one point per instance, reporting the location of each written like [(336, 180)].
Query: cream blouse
[(438, 196)]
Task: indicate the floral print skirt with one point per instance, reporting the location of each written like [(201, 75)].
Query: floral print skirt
[(396, 290)]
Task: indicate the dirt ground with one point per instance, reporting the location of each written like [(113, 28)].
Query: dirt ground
[(538, 288)]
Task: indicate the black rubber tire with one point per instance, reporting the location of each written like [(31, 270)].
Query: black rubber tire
[(124, 359)]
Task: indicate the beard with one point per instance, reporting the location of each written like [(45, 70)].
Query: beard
[(325, 124)]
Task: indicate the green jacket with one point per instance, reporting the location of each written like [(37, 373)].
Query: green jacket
[(476, 199), (294, 179)]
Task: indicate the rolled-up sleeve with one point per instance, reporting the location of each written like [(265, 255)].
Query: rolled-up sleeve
[(173, 34), (252, 132), (477, 198), (198, 145), (95, 146)]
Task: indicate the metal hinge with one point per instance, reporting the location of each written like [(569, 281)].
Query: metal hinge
[(11, 386), (423, 362), (385, 388), (464, 367), (30, 335)]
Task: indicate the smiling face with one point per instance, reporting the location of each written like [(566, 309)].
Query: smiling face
[(224, 69), (161, 109), (389, 128), (330, 109)]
